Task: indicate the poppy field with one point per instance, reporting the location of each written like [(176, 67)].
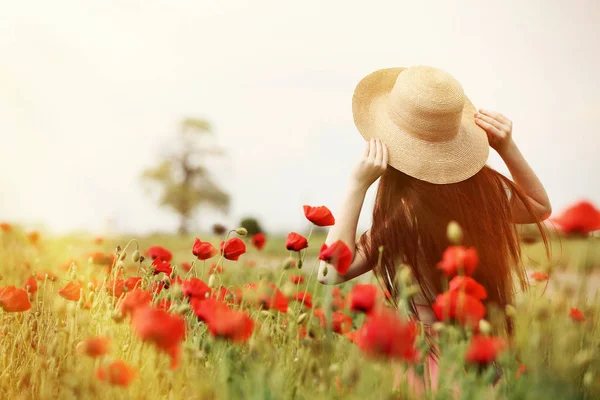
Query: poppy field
[(238, 316)]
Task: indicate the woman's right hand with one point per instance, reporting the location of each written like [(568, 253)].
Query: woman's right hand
[(372, 164)]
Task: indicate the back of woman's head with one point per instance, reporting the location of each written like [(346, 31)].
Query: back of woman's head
[(410, 220)]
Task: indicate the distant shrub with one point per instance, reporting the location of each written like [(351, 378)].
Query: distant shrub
[(252, 225)]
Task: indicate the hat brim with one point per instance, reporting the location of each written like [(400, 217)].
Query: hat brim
[(436, 162)]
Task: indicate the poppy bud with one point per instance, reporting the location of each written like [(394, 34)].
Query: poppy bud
[(485, 327), (454, 232), (438, 326), (136, 256), (211, 281), (117, 317), (125, 348), (90, 286), (510, 311), (588, 378), (123, 255), (289, 263), (91, 296), (241, 231), (302, 318)]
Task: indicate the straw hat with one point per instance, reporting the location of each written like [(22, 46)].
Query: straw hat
[(423, 116)]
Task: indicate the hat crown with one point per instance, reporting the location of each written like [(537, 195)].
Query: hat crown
[(428, 103)]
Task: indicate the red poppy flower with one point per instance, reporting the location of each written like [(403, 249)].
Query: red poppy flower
[(469, 286), (259, 240), (207, 308), (539, 276), (166, 331), (576, 315), (581, 217), (295, 242), (233, 248), (99, 240), (303, 296), (156, 252), (336, 291), (134, 300), (459, 258), (236, 326), (363, 297), (71, 291), (94, 347), (164, 304), (186, 266), (338, 303), (99, 258), (116, 373), (320, 216), (233, 296), (196, 288), (33, 237), (340, 323), (162, 266), (6, 227), (351, 336), (132, 283), (115, 288), (461, 307), (338, 255), (14, 299), (297, 279), (268, 296), (203, 250), (31, 285), (386, 334), (484, 349)]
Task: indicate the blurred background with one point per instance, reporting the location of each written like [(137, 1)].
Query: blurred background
[(107, 108)]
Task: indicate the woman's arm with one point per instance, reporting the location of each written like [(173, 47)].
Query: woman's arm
[(499, 130), (370, 167)]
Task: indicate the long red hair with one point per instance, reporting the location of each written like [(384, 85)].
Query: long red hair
[(410, 220)]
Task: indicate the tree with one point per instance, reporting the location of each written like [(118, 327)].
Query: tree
[(186, 184)]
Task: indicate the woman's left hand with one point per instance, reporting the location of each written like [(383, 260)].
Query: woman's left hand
[(497, 127)]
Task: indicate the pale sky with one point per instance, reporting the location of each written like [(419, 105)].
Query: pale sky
[(90, 93)]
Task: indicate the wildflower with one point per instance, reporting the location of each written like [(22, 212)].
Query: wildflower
[(94, 347), (233, 248), (297, 279), (116, 373), (576, 315), (340, 323), (158, 252), (162, 266), (6, 227), (522, 370), (303, 297), (196, 288), (295, 242), (71, 291), (338, 255), (469, 286), (134, 300), (233, 296), (539, 276), (31, 285), (203, 250), (99, 240), (131, 283), (581, 218), (259, 240), (205, 309), (115, 288), (484, 349), (164, 330), (236, 326), (33, 237), (461, 307), (268, 296), (320, 216), (186, 266), (386, 334), (14, 299), (215, 269), (100, 258), (457, 259), (164, 304), (363, 297)]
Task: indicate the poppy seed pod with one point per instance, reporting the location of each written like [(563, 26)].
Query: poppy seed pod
[(454, 232)]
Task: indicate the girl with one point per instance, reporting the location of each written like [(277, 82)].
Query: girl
[(430, 145)]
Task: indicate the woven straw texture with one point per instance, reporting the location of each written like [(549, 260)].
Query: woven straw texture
[(423, 116)]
